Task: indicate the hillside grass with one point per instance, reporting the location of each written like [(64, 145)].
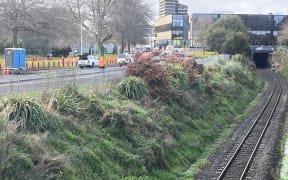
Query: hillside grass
[(99, 133), (283, 170)]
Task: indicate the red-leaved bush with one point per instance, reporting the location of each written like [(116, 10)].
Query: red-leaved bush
[(156, 76)]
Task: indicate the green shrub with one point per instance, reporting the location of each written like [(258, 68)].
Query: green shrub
[(239, 58), (29, 115), (19, 164), (132, 87), (233, 68), (177, 77), (67, 104), (116, 119), (69, 101), (94, 107)]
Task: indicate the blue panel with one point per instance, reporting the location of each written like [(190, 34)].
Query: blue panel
[(22, 58), (16, 57)]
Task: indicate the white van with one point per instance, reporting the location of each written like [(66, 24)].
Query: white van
[(124, 59), (88, 61)]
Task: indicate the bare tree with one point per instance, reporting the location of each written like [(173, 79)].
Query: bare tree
[(199, 28), (282, 38), (61, 29), (95, 16), (21, 15), (127, 21), (131, 23)]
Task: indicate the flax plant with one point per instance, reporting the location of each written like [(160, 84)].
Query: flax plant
[(133, 87), (30, 116)]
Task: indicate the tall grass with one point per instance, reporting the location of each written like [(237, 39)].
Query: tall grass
[(30, 116), (69, 101)]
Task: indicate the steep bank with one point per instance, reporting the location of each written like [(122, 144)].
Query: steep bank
[(106, 135)]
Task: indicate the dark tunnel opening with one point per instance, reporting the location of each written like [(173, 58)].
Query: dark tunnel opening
[(261, 60)]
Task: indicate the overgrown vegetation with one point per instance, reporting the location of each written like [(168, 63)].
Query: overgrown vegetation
[(128, 132), (280, 56)]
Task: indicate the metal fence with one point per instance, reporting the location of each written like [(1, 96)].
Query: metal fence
[(214, 59)]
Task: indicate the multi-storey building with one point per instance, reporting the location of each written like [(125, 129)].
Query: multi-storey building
[(263, 28), (168, 7), (171, 30), (172, 26), (181, 9)]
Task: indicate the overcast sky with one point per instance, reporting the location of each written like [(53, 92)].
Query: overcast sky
[(248, 6)]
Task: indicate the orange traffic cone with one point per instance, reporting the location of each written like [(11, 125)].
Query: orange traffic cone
[(5, 72)]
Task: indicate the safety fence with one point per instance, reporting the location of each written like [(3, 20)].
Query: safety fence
[(49, 63)]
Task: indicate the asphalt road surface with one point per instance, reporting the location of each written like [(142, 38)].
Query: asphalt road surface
[(47, 79)]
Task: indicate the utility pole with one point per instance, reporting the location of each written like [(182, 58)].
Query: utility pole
[(151, 46)]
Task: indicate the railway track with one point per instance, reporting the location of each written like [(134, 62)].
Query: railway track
[(240, 159)]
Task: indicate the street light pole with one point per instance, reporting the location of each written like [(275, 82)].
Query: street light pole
[(81, 34)]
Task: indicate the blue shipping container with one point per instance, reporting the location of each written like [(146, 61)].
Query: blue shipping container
[(15, 58)]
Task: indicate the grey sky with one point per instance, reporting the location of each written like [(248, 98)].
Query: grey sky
[(245, 6)]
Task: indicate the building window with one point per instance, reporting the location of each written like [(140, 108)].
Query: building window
[(278, 20), (177, 35), (177, 22), (163, 28)]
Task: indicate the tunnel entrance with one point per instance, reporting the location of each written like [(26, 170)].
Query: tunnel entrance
[(261, 60)]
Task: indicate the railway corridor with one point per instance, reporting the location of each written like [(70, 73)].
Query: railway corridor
[(253, 151)]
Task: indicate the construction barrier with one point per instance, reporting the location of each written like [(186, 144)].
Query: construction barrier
[(1, 63), (51, 63)]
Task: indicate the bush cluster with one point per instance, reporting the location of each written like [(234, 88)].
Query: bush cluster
[(164, 81)]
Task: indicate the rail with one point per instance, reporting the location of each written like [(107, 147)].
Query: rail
[(233, 161)]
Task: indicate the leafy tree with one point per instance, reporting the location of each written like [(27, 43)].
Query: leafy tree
[(228, 35), (236, 43)]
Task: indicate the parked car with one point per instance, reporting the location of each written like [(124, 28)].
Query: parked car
[(124, 59), (88, 61)]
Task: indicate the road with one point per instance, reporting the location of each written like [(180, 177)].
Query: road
[(47, 79)]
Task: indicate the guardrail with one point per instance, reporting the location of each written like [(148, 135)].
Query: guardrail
[(44, 63)]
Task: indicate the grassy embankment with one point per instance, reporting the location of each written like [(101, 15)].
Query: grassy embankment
[(280, 56), (283, 171), (154, 128)]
